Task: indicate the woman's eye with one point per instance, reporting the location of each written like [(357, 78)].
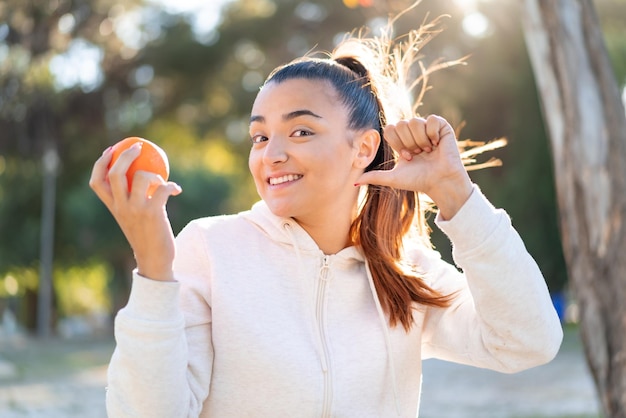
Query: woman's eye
[(257, 139), (302, 132)]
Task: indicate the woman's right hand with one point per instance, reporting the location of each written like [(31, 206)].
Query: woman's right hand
[(143, 219)]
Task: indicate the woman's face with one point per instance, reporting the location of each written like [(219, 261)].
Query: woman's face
[(303, 154)]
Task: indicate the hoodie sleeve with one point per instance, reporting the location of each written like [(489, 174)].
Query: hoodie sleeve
[(501, 316), (161, 366)]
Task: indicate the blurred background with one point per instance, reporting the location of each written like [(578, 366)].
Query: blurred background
[(77, 76)]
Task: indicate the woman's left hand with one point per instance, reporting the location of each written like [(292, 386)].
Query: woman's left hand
[(429, 162)]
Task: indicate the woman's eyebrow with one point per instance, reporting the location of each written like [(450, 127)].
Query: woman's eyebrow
[(257, 118), (287, 116), (297, 113)]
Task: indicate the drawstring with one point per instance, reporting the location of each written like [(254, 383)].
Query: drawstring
[(316, 327), (287, 228), (383, 321)]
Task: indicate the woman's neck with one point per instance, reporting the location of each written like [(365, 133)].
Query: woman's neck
[(331, 236)]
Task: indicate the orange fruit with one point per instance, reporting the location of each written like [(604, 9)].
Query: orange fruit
[(152, 158)]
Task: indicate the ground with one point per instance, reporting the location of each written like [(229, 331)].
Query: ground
[(59, 378), (562, 388)]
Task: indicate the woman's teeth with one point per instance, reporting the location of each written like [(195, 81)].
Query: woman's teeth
[(284, 179)]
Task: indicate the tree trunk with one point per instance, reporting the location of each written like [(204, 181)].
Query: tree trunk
[(587, 128), (44, 302)]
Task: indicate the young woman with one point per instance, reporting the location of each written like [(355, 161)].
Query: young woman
[(323, 299)]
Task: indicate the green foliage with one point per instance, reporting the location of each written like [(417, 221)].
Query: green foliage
[(19, 284), (20, 209), (82, 289), (19, 280), (204, 194)]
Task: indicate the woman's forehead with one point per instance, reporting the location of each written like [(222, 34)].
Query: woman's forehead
[(297, 92)]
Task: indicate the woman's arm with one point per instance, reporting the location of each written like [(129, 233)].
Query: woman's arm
[(502, 318), (161, 366), (162, 363)]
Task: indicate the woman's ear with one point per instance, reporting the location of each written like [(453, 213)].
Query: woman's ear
[(366, 145)]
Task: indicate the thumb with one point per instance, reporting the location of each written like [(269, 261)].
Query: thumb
[(164, 191), (376, 177)]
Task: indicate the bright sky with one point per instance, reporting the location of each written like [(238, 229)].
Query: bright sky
[(80, 64), (474, 23), (204, 15)]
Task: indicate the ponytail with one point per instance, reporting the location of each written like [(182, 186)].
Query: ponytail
[(387, 215)]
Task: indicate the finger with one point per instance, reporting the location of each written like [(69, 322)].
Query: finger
[(164, 191), (390, 135), (418, 129), (405, 134), (143, 184), (117, 172), (98, 180), (434, 125), (377, 177), (148, 184)]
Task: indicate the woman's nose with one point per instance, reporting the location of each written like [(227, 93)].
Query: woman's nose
[(275, 151)]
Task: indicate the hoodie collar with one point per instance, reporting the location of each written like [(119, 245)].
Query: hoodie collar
[(288, 231)]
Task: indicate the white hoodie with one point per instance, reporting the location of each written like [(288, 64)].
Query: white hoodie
[(261, 323)]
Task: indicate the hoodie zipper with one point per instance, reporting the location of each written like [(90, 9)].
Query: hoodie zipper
[(321, 326)]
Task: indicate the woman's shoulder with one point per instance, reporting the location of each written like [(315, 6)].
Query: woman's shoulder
[(217, 221), (217, 226)]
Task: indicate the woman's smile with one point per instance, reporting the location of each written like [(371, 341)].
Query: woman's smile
[(280, 180)]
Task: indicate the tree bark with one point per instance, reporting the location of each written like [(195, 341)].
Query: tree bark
[(45, 294), (587, 127)]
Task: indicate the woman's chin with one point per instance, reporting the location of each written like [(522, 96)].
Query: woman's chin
[(280, 210)]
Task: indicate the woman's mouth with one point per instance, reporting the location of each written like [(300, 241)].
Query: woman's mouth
[(274, 181)]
